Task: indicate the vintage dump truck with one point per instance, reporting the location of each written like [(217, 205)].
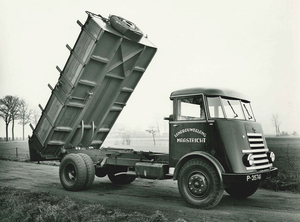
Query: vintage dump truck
[(215, 142)]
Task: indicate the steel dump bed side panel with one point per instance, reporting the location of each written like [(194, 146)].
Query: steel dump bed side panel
[(99, 76)]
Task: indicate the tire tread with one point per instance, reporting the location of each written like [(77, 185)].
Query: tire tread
[(90, 170)]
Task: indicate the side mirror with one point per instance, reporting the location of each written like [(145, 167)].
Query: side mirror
[(170, 118)]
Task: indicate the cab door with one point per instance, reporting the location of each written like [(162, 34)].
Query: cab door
[(188, 128)]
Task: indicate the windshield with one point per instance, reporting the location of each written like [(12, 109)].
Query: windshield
[(233, 108), (220, 107), (248, 111)]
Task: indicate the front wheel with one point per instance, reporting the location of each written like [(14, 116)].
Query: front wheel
[(242, 190), (199, 184)]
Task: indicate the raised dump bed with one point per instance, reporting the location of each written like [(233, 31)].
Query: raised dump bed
[(99, 76)]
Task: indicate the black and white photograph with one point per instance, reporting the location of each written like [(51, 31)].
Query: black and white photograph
[(158, 111)]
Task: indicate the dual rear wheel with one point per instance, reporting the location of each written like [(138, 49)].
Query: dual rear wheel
[(76, 172)]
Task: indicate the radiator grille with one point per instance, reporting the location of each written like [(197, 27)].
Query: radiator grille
[(259, 152)]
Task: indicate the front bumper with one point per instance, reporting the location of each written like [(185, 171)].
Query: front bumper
[(249, 177)]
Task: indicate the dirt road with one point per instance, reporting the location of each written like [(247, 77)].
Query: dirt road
[(148, 196)]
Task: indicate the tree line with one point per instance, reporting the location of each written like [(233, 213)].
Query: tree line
[(13, 108)]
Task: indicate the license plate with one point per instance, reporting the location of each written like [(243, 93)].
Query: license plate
[(253, 177)]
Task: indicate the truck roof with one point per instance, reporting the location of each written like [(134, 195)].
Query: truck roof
[(209, 92)]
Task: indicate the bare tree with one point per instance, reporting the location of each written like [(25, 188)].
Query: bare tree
[(125, 135), (5, 112), (276, 123), (14, 114), (36, 117), (157, 117), (8, 111), (24, 115), (153, 130)]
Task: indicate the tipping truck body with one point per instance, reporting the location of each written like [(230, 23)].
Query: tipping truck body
[(215, 142), (100, 75)]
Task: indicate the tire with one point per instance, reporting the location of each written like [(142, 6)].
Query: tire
[(90, 170), (72, 172), (199, 184), (120, 179), (100, 172), (242, 190), (126, 27)]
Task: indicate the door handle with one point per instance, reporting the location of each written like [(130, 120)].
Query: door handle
[(175, 125)]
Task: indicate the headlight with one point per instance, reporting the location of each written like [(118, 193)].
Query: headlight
[(248, 160), (271, 157)]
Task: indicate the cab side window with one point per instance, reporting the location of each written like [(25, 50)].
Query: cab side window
[(189, 108)]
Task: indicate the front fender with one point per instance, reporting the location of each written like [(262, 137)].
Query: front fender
[(196, 154)]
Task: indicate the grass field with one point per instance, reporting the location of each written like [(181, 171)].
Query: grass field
[(287, 151), (14, 150)]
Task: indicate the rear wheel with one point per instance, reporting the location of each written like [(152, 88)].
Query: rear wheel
[(72, 172), (242, 190), (100, 172), (120, 179), (90, 170), (199, 184)]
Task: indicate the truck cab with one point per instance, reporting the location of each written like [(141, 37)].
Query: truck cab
[(217, 126)]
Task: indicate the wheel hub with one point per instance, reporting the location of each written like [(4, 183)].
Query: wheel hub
[(197, 184), (70, 173)]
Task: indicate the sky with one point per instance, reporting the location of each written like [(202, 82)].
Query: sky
[(248, 46)]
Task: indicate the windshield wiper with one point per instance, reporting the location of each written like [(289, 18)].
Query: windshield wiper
[(235, 115), (249, 116)]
